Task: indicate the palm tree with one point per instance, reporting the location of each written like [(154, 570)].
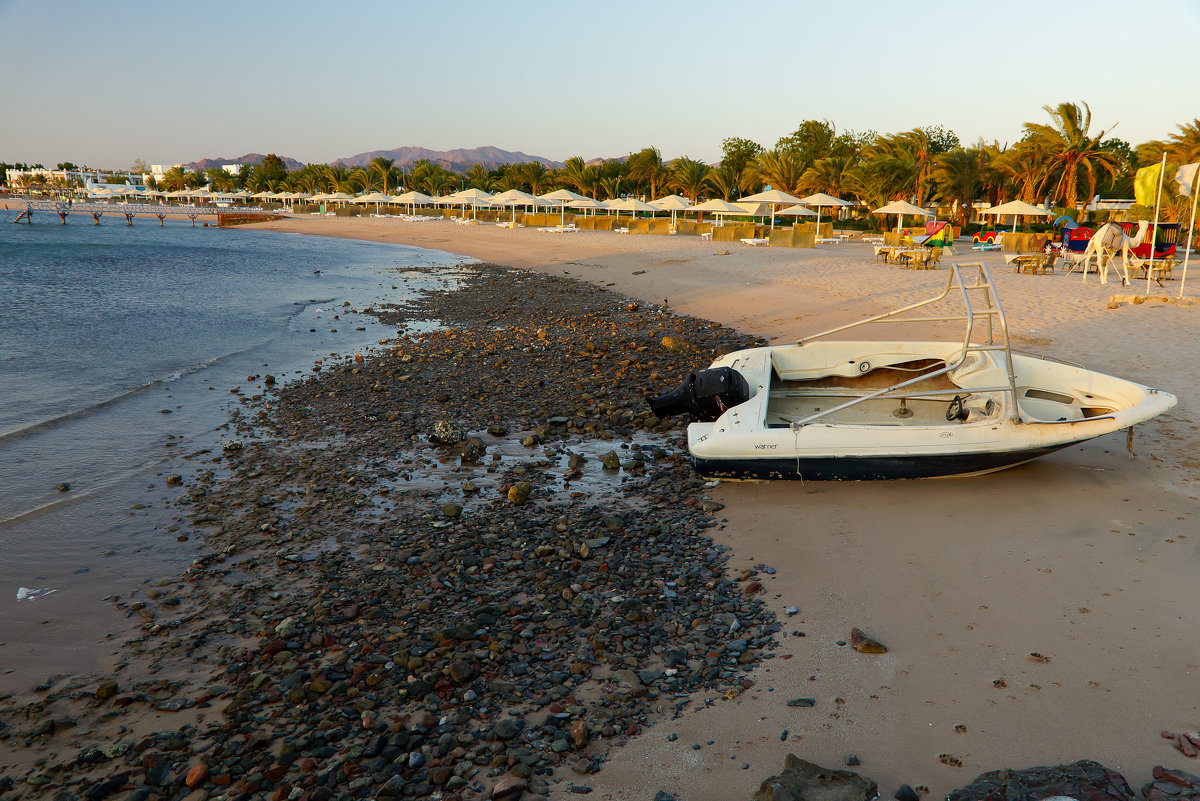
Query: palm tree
[(906, 158), (1184, 146), (1071, 157), (535, 175), (828, 174), (725, 181), (478, 177), (611, 187), (361, 180), (958, 177), (384, 168), (574, 173), (221, 181), (646, 167), (690, 176), (780, 170), (174, 179), (1023, 167), (195, 180), (509, 178)]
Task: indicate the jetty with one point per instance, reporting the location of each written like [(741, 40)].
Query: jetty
[(64, 209)]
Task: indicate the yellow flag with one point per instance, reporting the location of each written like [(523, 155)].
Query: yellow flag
[(1145, 185)]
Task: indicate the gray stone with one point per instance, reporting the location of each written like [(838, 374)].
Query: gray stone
[(804, 781), (1082, 779)]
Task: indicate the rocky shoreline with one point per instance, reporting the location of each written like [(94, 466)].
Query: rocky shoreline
[(463, 566)]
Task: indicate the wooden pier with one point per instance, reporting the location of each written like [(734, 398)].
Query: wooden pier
[(65, 209)]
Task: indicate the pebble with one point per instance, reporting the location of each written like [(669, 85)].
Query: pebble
[(337, 615)]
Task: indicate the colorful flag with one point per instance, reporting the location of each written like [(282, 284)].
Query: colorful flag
[(1185, 177), (1145, 185)]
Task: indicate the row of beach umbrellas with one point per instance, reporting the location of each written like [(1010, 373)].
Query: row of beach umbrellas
[(780, 203)]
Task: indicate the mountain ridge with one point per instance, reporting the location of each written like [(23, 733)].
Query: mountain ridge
[(457, 159)]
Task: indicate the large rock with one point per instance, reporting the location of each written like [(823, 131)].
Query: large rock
[(1084, 780), (1171, 785), (804, 781)]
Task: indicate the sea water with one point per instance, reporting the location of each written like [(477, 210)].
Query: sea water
[(119, 346)]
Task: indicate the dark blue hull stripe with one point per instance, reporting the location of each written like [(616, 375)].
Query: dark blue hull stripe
[(867, 468)]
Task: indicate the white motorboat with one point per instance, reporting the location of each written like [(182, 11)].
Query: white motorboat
[(827, 409)]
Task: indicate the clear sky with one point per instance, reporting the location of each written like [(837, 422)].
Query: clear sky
[(102, 83)]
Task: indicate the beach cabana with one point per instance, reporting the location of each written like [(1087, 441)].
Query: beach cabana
[(1017, 208), (902, 207)]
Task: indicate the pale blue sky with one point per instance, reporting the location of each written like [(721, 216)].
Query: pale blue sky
[(104, 83)]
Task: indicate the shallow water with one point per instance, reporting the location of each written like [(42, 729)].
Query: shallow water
[(119, 348)]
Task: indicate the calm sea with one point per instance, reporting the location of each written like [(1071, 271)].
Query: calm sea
[(118, 349)]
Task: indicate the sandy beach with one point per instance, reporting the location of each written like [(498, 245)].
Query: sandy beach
[(1087, 558), (1038, 615)]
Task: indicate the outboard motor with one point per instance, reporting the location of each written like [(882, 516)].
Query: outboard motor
[(705, 395)]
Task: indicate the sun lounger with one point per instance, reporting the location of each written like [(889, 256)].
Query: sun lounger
[(754, 242)]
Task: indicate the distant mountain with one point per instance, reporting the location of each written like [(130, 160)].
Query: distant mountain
[(457, 160), (249, 158)]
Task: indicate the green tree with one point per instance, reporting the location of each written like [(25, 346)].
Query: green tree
[(139, 167), (828, 174), (813, 140), (173, 179), (66, 165), (958, 177), (725, 181), (646, 169), (574, 174), (536, 176), (689, 176), (273, 168), (221, 181), (1070, 156), (777, 169), (384, 170), (479, 177), (737, 153)]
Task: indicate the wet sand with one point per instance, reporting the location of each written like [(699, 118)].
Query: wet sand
[(1086, 558)]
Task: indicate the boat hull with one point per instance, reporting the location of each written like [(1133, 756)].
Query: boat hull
[(870, 468)]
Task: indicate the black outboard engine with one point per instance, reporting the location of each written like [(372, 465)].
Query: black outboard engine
[(705, 395)]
